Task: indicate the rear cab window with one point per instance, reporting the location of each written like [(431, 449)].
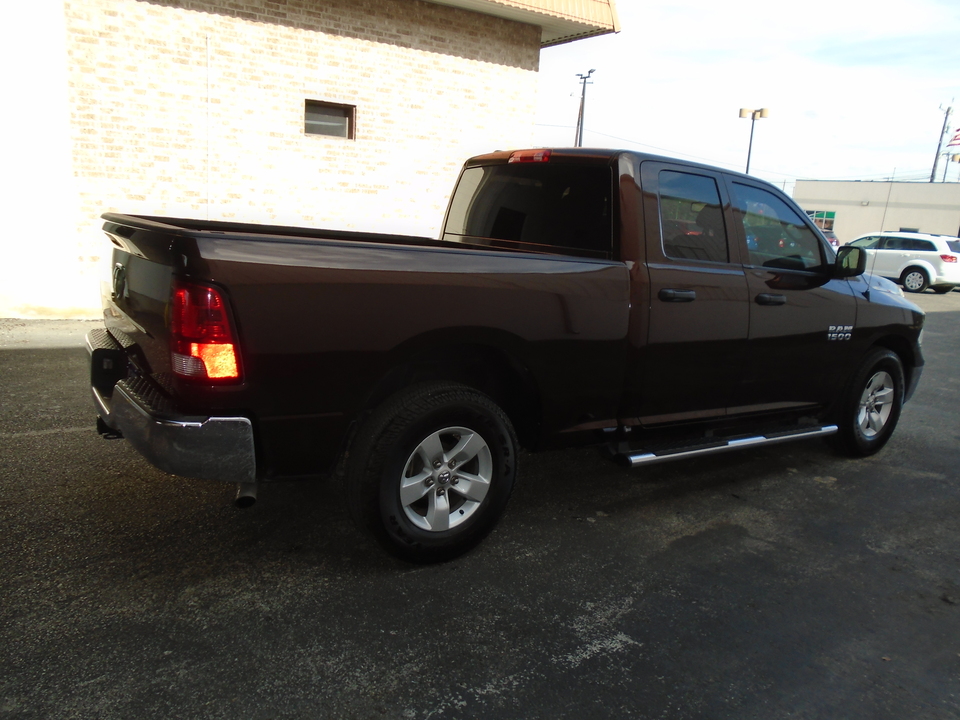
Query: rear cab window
[(537, 207)]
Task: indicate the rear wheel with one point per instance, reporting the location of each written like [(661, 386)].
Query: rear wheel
[(914, 280), (431, 471), (871, 405)]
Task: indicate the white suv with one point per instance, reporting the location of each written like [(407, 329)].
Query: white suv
[(916, 260)]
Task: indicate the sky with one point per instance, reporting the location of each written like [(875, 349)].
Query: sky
[(854, 89)]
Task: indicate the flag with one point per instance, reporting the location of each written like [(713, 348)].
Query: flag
[(955, 140)]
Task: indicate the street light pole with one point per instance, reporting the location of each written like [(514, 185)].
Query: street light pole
[(753, 115), (583, 105)]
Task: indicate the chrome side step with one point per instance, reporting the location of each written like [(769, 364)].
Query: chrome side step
[(648, 458)]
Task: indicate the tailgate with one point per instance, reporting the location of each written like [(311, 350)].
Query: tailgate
[(136, 302)]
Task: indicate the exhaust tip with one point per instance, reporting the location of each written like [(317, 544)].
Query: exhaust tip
[(246, 495)]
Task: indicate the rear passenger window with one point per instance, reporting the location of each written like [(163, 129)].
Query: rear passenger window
[(542, 207), (924, 246), (691, 218), (776, 236)]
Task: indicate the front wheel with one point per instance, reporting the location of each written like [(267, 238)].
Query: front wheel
[(431, 471), (914, 280), (871, 406)]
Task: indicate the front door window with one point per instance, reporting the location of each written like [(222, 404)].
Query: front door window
[(776, 236)]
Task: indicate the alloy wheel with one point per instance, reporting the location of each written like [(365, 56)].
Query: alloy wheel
[(876, 404), (446, 478)]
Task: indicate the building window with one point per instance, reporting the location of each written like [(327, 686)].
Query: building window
[(823, 219), (323, 118)]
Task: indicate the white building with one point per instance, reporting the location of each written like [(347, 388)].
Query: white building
[(852, 209), (349, 114)]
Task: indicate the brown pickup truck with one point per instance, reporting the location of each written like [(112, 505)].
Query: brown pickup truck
[(660, 308)]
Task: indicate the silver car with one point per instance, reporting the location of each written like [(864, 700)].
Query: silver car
[(915, 260)]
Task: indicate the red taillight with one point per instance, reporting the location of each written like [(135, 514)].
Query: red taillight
[(948, 258), (203, 345), (528, 156)]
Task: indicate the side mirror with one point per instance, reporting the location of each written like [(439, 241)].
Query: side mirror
[(851, 262)]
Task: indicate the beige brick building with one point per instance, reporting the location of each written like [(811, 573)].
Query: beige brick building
[(218, 108)]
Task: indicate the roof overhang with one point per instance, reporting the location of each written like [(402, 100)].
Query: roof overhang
[(560, 21)]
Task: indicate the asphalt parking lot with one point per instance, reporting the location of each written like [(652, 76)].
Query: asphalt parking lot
[(775, 583)]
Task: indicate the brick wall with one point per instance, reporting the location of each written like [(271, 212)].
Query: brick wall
[(195, 108)]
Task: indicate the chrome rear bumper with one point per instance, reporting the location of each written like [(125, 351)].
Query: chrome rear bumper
[(215, 448)]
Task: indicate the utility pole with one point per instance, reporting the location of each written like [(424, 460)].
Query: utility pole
[(946, 124), (583, 104)]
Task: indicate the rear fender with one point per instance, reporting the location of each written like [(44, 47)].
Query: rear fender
[(482, 358), (929, 269)]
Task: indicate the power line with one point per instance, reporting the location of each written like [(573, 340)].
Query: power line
[(635, 142), (709, 161), (900, 176), (903, 176)]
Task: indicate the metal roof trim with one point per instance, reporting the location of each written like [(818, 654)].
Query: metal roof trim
[(560, 21)]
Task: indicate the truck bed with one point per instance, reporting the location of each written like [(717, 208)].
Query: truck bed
[(300, 297)]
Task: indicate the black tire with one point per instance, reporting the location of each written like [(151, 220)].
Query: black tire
[(942, 289), (432, 419), (914, 279), (871, 405)]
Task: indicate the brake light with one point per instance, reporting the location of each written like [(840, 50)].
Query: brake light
[(203, 344), (530, 156), (948, 258)]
